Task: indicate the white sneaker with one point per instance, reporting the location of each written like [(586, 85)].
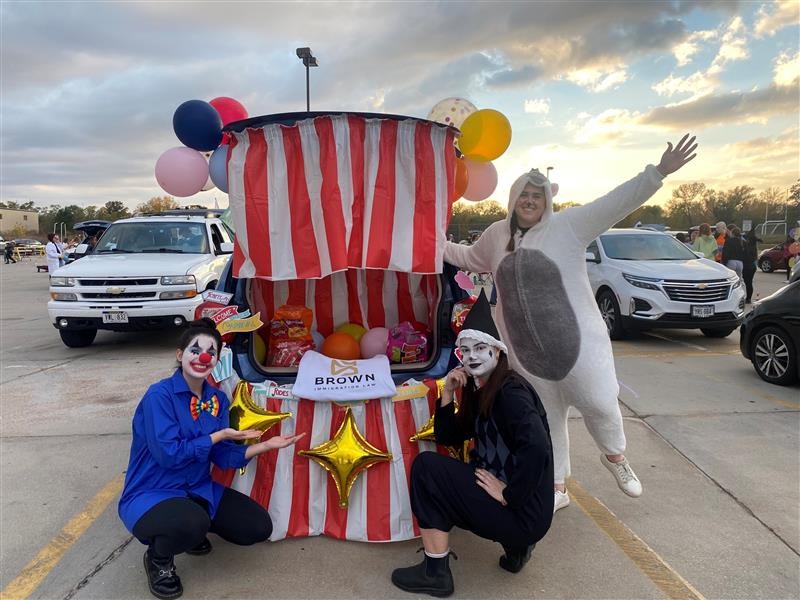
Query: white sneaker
[(626, 478), (561, 501)]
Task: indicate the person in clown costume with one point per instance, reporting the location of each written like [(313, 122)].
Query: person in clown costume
[(546, 311), (180, 427), (505, 492)]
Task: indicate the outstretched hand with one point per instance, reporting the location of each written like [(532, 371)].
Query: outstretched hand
[(274, 443), (674, 158)]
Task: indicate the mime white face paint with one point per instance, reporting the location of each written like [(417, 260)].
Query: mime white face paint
[(479, 358)]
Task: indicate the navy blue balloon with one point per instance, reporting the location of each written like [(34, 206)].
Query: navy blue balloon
[(218, 168), (198, 125)]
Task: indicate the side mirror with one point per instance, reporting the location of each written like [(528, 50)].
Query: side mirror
[(226, 247), (590, 257), (699, 255)]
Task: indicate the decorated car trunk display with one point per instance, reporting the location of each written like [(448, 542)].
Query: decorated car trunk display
[(336, 313)]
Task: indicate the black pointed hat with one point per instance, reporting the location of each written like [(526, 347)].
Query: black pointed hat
[(479, 324)]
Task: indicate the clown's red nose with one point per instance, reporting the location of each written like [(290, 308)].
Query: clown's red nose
[(205, 358)]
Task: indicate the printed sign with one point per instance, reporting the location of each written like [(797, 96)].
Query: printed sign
[(323, 378), (216, 296), (223, 314), (234, 325)]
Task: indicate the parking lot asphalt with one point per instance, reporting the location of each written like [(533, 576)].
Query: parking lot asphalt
[(717, 450)]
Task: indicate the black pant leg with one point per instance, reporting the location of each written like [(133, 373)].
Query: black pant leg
[(173, 526), (748, 282), (444, 494), (241, 520)]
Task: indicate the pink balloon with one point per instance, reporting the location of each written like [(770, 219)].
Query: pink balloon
[(374, 342), (482, 180), (181, 171)]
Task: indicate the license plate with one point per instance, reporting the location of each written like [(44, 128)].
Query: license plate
[(703, 310), (116, 316)]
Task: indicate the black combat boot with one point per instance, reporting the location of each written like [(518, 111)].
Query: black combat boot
[(161, 576), (432, 576), (515, 558), (201, 549)]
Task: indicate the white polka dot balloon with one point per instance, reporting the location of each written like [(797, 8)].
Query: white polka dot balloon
[(452, 111)]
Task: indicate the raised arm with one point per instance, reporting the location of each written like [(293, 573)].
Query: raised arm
[(477, 258), (590, 220)]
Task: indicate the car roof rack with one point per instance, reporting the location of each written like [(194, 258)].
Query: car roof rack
[(189, 211)]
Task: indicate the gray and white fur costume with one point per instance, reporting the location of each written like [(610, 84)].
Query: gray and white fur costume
[(546, 311)]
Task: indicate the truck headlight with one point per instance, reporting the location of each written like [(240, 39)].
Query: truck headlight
[(178, 280), (62, 281), (646, 283), (735, 283), (178, 294), (64, 296)]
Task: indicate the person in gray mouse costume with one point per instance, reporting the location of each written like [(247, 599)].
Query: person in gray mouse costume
[(547, 314)]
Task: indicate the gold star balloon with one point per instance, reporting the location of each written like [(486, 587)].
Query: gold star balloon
[(346, 456), (246, 414), (426, 433)]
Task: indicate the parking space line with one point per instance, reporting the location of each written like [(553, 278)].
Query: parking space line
[(48, 557), (672, 354), (655, 568), (681, 342)]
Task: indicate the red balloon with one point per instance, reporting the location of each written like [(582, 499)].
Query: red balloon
[(229, 109)]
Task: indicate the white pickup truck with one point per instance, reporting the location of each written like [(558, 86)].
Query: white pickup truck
[(146, 272)]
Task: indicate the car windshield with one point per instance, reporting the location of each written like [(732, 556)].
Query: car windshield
[(638, 246), (154, 237)]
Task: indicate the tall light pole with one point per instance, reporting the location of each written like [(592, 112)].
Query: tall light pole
[(548, 172), (309, 60)]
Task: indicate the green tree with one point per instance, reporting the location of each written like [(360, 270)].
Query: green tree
[(557, 206), (157, 204), (794, 193), (684, 208), (113, 210), (468, 216), (650, 213)]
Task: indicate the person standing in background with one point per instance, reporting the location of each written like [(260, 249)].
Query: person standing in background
[(53, 252), (750, 242), (733, 252), (721, 234), (705, 243)]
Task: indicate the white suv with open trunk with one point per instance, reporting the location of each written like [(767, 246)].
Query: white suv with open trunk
[(146, 272), (647, 279)]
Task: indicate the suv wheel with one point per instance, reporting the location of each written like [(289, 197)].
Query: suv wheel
[(78, 338), (773, 356), (609, 310), (765, 265), (717, 333)]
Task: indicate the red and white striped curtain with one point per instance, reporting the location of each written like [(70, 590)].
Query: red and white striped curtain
[(341, 191)]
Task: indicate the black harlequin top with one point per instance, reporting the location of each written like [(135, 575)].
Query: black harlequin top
[(513, 444)]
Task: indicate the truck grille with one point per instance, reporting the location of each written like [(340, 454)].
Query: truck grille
[(124, 295), (697, 291), (110, 282)]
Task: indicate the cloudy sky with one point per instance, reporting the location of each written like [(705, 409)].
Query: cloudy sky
[(593, 89)]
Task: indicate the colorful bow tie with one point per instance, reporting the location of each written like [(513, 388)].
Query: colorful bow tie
[(211, 406)]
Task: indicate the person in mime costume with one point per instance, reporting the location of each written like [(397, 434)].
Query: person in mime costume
[(546, 311), (505, 492)]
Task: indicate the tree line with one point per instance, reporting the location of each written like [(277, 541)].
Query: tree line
[(690, 205)]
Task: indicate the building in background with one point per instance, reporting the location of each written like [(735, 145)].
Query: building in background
[(18, 222)]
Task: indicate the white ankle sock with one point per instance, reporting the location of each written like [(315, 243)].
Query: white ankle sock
[(433, 555)]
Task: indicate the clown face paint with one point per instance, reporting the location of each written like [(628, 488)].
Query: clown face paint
[(479, 358), (199, 358)]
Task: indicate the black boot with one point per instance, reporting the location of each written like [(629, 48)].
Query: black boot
[(515, 558), (161, 577), (201, 549), (432, 576)]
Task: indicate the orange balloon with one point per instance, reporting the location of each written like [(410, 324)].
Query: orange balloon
[(342, 346), (462, 179)]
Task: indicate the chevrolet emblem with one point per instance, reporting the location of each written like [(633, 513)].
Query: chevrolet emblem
[(702, 286), (115, 290)]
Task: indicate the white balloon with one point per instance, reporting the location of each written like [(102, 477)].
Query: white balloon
[(452, 111)]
